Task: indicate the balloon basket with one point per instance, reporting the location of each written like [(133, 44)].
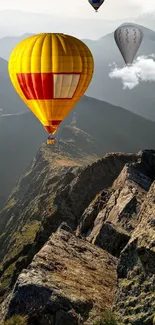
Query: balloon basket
[(51, 141)]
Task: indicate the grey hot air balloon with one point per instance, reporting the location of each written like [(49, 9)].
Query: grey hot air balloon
[(128, 38), (96, 3)]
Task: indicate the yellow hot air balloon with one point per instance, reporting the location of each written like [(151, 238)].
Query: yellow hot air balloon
[(51, 72)]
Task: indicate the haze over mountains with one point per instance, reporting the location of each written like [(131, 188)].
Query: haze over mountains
[(77, 228), (140, 100), (9, 100), (24, 22), (104, 127), (99, 127), (21, 22)]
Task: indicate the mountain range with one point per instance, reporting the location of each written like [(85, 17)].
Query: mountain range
[(109, 127), (94, 126), (77, 223), (21, 22), (140, 100)]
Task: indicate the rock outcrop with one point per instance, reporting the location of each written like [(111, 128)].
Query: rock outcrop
[(77, 237), (68, 282), (111, 238), (136, 268), (55, 188)]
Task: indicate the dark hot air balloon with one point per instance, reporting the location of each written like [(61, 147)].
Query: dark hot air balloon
[(96, 4)]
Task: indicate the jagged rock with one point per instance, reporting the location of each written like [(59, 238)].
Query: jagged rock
[(55, 188), (121, 205), (126, 198), (136, 269), (111, 238), (64, 226), (88, 217), (74, 198), (68, 281)]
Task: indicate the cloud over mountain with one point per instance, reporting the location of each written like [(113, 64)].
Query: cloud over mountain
[(142, 70)]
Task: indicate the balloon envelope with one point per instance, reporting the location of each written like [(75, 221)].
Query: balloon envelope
[(51, 72), (96, 3), (128, 38)]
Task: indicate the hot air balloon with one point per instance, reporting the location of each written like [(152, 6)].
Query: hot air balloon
[(51, 72), (128, 38), (96, 4)]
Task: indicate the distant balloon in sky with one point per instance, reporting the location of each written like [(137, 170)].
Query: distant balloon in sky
[(128, 38), (96, 4), (51, 72)]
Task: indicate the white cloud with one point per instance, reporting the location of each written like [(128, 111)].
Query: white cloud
[(142, 70)]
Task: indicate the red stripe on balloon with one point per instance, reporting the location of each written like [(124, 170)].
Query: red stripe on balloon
[(52, 128), (36, 85), (56, 122)]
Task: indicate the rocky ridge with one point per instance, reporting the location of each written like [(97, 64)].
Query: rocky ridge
[(102, 257)]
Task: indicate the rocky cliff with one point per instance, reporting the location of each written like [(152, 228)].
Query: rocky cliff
[(77, 238)]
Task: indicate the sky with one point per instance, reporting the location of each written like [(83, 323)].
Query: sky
[(111, 9), (72, 16)]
